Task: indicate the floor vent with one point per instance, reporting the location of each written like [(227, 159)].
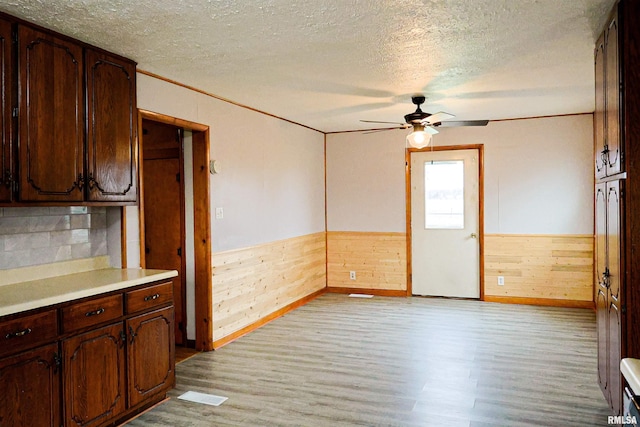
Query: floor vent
[(360, 296), (207, 399)]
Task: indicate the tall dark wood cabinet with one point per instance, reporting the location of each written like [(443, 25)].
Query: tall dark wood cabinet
[(7, 175), (51, 117), (617, 196)]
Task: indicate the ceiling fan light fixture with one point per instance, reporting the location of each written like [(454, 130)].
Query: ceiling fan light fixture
[(418, 138)]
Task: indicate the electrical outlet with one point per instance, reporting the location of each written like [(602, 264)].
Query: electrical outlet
[(219, 213), (352, 275), (500, 280)]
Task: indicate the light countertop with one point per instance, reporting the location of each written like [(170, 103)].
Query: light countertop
[(630, 369), (29, 295)]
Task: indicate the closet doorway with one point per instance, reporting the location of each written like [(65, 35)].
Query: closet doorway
[(175, 220)]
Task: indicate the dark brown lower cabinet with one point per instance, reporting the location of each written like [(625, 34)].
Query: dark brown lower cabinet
[(150, 353), (30, 383), (94, 380), (94, 362)]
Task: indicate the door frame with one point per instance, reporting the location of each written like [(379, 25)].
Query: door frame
[(408, 152), (202, 222)]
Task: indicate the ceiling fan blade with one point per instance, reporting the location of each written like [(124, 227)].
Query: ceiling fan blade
[(391, 123), (437, 117), (431, 130), (462, 123)]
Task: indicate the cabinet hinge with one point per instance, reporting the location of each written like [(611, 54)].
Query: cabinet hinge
[(177, 177), (179, 251), (14, 113)]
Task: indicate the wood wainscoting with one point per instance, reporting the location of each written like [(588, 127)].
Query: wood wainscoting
[(252, 284), (379, 260), (540, 269)]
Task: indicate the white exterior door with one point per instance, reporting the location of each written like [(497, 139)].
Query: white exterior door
[(445, 223)]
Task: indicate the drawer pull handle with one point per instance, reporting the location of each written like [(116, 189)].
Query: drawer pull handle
[(18, 334), (151, 297), (95, 313)]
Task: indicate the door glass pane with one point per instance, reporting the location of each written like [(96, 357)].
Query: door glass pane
[(444, 194)]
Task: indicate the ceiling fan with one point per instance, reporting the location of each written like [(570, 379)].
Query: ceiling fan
[(425, 124)]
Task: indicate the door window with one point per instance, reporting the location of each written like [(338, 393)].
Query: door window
[(444, 194)]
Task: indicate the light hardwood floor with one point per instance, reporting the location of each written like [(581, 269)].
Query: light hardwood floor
[(341, 361)]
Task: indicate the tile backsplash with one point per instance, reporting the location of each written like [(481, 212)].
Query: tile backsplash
[(43, 235)]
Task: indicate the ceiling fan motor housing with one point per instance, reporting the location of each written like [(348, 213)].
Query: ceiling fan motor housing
[(418, 115)]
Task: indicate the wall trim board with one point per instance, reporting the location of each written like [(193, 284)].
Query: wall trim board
[(490, 121), (220, 98), (540, 301), (481, 235), (250, 284), (579, 236), (376, 292), (378, 258), (269, 318)]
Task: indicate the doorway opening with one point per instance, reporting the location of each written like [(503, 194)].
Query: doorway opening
[(445, 221), (175, 219)]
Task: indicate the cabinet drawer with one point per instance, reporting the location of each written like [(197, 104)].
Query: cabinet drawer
[(151, 296), (28, 331), (91, 312)]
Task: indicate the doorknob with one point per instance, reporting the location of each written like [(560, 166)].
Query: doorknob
[(474, 236)]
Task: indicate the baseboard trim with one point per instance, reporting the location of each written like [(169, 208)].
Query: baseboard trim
[(255, 325), (376, 292), (540, 301)]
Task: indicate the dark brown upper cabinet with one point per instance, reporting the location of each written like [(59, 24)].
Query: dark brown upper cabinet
[(68, 120), (51, 122), (111, 132), (7, 174)]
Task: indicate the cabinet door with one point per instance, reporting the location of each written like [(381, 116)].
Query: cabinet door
[(615, 152), (51, 115), (112, 143), (614, 208), (30, 389), (601, 290), (599, 127), (94, 376), (6, 97), (151, 354)]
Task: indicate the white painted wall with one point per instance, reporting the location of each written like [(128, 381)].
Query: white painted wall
[(272, 182), (538, 176), (366, 181)]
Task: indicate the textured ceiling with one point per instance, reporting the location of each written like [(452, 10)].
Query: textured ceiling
[(326, 64)]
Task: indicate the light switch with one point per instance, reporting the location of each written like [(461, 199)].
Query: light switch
[(219, 213)]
